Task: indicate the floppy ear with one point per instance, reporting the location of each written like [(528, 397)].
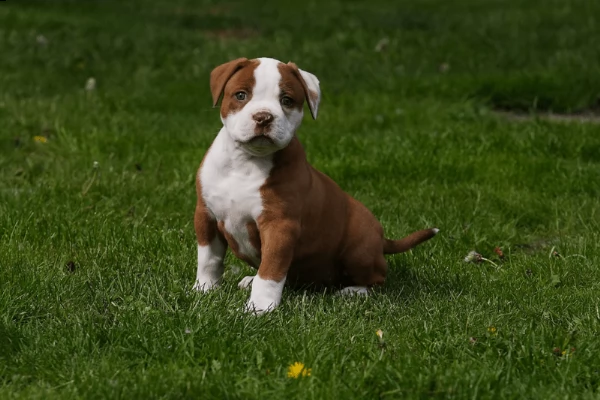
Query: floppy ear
[(312, 91), (220, 75)]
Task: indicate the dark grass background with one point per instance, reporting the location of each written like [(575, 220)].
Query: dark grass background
[(97, 264)]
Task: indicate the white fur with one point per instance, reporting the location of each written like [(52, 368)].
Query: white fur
[(231, 180), (265, 296), (355, 290), (265, 97), (210, 265)]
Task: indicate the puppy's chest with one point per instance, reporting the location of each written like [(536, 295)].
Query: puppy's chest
[(231, 192)]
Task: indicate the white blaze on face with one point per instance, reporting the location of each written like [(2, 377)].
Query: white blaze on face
[(266, 96)]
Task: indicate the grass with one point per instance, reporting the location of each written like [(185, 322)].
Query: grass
[(97, 263)]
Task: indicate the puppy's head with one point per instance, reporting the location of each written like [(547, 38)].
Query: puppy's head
[(263, 101)]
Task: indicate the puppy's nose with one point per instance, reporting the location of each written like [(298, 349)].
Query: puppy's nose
[(263, 118)]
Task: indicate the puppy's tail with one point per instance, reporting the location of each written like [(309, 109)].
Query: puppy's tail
[(407, 243)]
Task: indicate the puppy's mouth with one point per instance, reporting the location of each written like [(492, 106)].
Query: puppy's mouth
[(262, 141)]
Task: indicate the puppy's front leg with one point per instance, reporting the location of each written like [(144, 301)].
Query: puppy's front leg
[(211, 250), (277, 251)]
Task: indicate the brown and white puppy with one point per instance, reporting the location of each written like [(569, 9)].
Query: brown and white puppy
[(258, 194)]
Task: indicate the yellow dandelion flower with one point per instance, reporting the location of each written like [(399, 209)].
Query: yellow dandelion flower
[(298, 369), (492, 329), (379, 334), (40, 139)]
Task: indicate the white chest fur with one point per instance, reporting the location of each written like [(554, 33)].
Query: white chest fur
[(231, 180)]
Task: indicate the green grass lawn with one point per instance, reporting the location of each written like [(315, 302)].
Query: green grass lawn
[(97, 247)]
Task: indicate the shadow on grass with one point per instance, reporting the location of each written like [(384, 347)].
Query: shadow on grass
[(411, 284), (404, 283)]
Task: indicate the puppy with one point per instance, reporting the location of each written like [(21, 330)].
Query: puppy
[(258, 195)]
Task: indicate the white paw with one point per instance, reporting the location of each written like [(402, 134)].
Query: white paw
[(265, 295), (246, 282), (205, 285), (253, 308), (355, 290)]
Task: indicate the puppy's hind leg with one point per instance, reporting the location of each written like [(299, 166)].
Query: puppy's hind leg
[(354, 291), (364, 270)]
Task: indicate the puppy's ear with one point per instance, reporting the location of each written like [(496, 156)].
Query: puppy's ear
[(312, 91), (220, 75)]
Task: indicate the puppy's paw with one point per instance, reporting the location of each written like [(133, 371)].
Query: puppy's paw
[(355, 291), (254, 309), (246, 282), (204, 286), (265, 295)]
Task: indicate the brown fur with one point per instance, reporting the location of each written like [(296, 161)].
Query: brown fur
[(230, 78), (332, 238), (407, 243), (293, 68), (292, 85)]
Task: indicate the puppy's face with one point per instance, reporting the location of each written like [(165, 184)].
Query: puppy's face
[(263, 101)]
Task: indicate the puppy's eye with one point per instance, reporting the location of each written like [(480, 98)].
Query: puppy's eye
[(241, 96), (287, 101)]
